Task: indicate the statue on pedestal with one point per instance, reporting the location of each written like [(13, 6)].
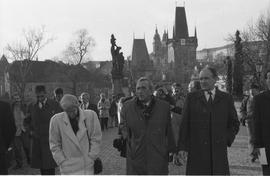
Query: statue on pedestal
[(118, 61)]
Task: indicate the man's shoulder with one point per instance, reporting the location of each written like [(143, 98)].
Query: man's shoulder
[(4, 103), (162, 103)]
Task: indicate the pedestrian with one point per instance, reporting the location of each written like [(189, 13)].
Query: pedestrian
[(103, 107), (7, 133), (40, 113), (209, 126), (58, 94), (194, 85), (75, 138), (113, 111), (86, 104), (246, 111), (146, 125), (262, 123), (21, 140)]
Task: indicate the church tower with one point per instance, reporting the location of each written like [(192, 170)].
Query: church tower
[(182, 48)]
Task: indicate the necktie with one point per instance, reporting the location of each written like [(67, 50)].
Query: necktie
[(210, 99)]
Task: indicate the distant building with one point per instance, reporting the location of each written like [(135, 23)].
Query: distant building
[(141, 65), (4, 86), (176, 57)]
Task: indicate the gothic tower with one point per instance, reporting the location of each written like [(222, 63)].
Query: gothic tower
[(182, 48)]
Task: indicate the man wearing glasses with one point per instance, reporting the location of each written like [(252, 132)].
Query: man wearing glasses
[(40, 114)]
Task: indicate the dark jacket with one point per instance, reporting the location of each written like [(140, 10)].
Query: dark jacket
[(7, 127), (262, 121), (206, 131), (39, 126), (149, 137)]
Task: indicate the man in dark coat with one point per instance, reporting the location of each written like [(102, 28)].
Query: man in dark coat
[(40, 114), (7, 133), (209, 125), (145, 123), (262, 123)]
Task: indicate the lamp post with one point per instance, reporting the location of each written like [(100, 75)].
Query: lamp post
[(259, 66)]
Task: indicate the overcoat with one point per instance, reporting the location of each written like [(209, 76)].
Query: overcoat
[(262, 122), (206, 131), (148, 141), (75, 154), (41, 156)]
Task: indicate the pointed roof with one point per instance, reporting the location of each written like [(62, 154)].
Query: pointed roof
[(139, 52), (195, 33), (3, 64), (156, 36), (165, 36), (180, 26)]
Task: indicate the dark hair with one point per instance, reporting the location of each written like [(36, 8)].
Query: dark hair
[(58, 90), (176, 85), (40, 88), (197, 85), (265, 75), (213, 71), (254, 86)]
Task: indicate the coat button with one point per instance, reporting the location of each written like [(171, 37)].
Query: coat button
[(205, 143)]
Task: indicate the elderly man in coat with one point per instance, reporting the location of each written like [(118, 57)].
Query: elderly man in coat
[(209, 125), (262, 123), (146, 124), (39, 115), (75, 137)]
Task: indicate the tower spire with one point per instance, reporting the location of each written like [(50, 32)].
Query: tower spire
[(195, 33)]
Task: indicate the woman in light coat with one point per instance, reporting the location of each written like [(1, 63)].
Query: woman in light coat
[(75, 137)]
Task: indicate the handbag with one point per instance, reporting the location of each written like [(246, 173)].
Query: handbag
[(97, 162)]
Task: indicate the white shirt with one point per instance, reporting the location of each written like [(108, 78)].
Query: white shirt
[(207, 94)]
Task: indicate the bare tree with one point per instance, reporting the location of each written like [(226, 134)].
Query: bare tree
[(23, 53), (78, 51)]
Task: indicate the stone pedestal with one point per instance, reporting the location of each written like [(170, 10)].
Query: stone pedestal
[(117, 85)]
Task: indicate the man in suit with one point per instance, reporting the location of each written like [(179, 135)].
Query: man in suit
[(7, 133), (40, 114), (209, 125), (146, 125), (262, 123)]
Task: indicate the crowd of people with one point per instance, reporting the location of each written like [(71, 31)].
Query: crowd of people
[(156, 126)]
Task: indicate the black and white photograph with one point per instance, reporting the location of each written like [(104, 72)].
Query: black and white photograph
[(134, 87)]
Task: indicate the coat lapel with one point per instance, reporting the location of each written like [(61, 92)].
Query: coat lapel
[(82, 128), (201, 97), (218, 96), (68, 130)]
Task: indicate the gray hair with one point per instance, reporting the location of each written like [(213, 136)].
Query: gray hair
[(148, 80), (68, 101)]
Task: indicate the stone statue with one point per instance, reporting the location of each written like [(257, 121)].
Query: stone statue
[(117, 59)]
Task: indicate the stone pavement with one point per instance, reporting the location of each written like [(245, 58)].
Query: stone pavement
[(113, 164)]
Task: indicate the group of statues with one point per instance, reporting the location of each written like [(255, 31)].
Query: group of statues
[(117, 60)]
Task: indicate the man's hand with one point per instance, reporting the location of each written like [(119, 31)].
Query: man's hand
[(183, 155), (243, 121), (255, 154)]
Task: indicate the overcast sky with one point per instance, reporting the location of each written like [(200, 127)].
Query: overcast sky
[(214, 20)]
